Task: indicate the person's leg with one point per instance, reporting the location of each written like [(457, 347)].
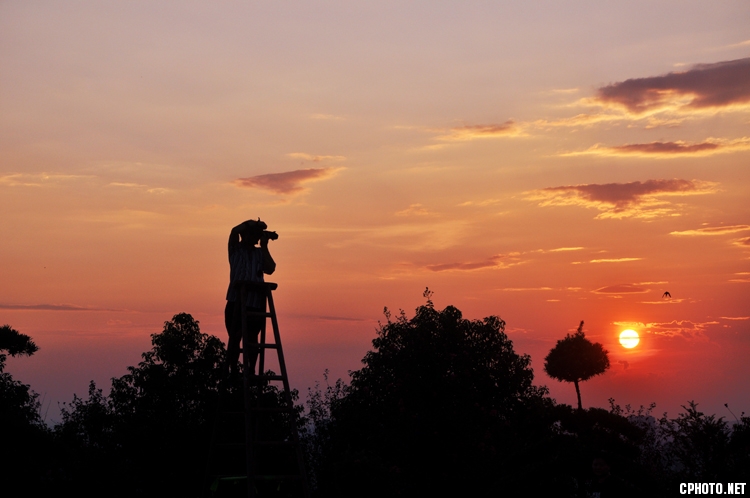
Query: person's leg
[(233, 323), (255, 324)]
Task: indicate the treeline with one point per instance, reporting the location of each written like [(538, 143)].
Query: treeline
[(441, 406)]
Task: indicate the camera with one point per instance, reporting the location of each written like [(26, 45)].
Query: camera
[(268, 235)]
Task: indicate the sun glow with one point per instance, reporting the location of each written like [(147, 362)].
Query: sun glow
[(629, 338)]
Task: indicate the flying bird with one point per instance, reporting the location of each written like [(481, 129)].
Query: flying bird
[(666, 295)]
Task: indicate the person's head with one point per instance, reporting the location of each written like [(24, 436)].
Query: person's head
[(251, 232)]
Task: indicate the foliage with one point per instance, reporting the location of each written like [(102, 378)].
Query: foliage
[(22, 430), (152, 431), (575, 359), (14, 343), (693, 447), (431, 409)]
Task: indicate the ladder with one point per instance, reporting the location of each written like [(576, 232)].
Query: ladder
[(274, 464)]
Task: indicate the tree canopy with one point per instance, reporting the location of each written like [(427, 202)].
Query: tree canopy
[(575, 359), (153, 429), (430, 408)]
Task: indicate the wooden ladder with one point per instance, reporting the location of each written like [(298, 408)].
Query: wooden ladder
[(274, 464)]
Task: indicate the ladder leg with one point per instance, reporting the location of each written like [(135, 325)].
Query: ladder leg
[(262, 341), (288, 395)]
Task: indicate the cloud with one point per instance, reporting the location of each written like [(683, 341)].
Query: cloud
[(486, 202), (564, 249), (153, 190), (666, 149), (315, 158), (37, 179), (524, 289), (704, 86), (676, 328), (288, 182), (414, 210), (614, 260), (622, 289), (735, 317), (477, 132), (664, 301), (491, 262), (712, 230), (53, 307), (622, 200), (743, 242)]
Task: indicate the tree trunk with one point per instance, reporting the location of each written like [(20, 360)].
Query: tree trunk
[(578, 392)]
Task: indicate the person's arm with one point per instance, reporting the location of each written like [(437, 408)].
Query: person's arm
[(234, 235), (269, 265)]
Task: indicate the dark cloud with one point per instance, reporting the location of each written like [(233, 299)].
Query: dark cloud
[(288, 182), (665, 148), (621, 289), (52, 307), (706, 85), (622, 195)]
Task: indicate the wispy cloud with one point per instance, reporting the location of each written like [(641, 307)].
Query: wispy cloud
[(53, 307), (146, 188), (614, 260), (495, 261), (676, 328), (479, 132), (565, 249), (712, 230), (289, 182), (37, 179), (667, 149), (704, 86), (622, 200), (414, 210), (315, 158), (622, 289), (743, 242), (526, 289), (735, 318)]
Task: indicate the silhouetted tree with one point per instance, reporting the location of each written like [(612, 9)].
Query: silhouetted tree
[(431, 411), (18, 403), (24, 435), (151, 433), (575, 359)]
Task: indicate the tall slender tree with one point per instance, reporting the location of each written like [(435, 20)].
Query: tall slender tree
[(575, 359)]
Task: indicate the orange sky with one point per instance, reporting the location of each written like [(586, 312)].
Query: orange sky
[(546, 165)]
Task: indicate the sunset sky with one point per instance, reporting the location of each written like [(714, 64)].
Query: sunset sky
[(546, 162)]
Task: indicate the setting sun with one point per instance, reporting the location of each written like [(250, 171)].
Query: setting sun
[(629, 338)]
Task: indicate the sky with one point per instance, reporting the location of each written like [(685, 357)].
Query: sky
[(546, 162)]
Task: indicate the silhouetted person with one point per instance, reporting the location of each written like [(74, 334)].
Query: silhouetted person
[(247, 261)]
